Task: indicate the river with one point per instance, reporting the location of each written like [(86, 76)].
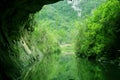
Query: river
[(97, 71), (69, 67)]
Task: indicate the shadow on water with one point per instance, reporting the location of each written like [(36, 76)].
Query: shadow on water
[(97, 71)]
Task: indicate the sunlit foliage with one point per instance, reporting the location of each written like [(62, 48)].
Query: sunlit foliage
[(99, 34)]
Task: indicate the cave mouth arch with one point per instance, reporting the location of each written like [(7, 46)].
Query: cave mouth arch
[(13, 21)]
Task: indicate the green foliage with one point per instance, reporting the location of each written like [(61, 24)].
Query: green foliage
[(58, 18), (30, 57), (46, 39), (43, 45), (99, 33), (61, 18)]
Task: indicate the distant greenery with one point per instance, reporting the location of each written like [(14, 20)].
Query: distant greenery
[(57, 18), (61, 18), (99, 34)]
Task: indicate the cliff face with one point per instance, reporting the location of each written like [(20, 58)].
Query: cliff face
[(14, 18), (14, 13)]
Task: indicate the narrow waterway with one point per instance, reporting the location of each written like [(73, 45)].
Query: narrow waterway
[(97, 71), (69, 67), (66, 65)]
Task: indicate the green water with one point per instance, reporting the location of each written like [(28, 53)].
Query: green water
[(98, 71), (69, 67), (66, 66)]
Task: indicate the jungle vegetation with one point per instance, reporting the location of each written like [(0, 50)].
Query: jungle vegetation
[(99, 34), (55, 38)]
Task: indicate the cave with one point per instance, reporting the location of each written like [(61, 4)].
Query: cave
[(14, 21), (24, 56)]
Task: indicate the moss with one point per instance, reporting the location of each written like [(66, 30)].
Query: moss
[(14, 17)]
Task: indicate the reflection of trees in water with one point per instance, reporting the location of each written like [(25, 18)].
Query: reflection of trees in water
[(89, 70), (97, 71)]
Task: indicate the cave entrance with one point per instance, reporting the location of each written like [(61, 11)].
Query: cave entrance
[(41, 47), (56, 27), (52, 40)]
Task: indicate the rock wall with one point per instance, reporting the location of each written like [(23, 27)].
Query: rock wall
[(14, 17)]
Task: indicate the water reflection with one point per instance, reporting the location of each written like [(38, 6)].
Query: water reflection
[(96, 71)]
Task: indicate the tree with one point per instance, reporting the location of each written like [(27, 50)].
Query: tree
[(101, 36)]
